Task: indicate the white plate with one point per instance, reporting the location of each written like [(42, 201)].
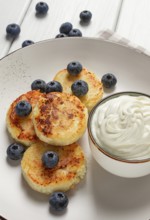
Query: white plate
[(101, 196)]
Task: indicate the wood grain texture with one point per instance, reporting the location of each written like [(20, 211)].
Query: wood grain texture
[(105, 13), (134, 22), (10, 12)]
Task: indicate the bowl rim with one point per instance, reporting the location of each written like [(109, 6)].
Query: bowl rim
[(117, 158)]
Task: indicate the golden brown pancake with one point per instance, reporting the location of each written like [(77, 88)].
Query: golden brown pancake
[(59, 118), (70, 169), (95, 92), (21, 128)]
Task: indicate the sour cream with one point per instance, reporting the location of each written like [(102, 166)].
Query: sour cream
[(121, 126)]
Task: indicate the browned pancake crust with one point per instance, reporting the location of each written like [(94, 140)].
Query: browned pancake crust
[(21, 128), (95, 92), (68, 172), (59, 118)]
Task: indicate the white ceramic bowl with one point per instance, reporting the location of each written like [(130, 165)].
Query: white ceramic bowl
[(111, 163)]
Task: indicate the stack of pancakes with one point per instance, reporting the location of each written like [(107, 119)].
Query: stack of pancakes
[(56, 122)]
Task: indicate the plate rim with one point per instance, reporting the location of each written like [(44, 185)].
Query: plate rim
[(133, 49)]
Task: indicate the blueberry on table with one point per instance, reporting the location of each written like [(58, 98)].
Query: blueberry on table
[(74, 68), (75, 33), (41, 8), (23, 108), (50, 159), (54, 86), (39, 84), (109, 80), (27, 43), (61, 35), (58, 201), (65, 28), (79, 88), (85, 16), (13, 30), (15, 151)]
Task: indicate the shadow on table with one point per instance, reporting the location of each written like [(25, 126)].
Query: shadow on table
[(40, 15)]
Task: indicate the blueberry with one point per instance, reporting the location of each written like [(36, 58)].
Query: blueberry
[(79, 88), (23, 108), (50, 159), (85, 16), (13, 30), (61, 35), (75, 33), (27, 43), (65, 28), (53, 86), (58, 201), (41, 8), (15, 151), (74, 68), (109, 80), (39, 84)]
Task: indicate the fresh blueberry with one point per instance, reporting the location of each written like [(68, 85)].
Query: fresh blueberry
[(23, 108), (61, 35), (39, 84), (74, 68), (41, 8), (109, 80), (15, 151), (75, 33), (65, 28), (27, 43), (79, 88), (53, 86), (13, 30), (85, 16), (50, 159), (58, 201)]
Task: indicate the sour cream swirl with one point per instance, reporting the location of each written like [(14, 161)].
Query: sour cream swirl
[(121, 126)]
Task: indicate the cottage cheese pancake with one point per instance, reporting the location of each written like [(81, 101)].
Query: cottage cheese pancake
[(122, 126), (21, 128), (59, 118), (70, 169), (95, 92)]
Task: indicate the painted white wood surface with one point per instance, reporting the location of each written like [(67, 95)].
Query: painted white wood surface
[(105, 14), (134, 22), (131, 22), (11, 11)]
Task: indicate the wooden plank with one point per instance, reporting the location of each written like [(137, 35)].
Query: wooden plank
[(134, 22), (10, 12), (104, 12)]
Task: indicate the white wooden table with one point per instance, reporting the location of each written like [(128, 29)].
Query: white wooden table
[(128, 18)]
